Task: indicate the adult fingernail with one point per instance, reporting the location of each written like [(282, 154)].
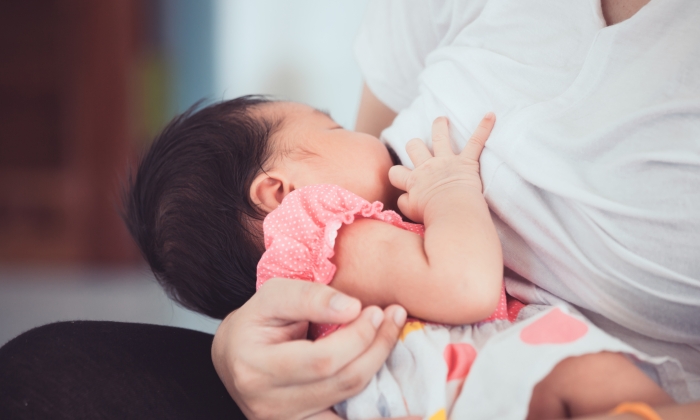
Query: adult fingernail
[(399, 316), (377, 318), (339, 302)]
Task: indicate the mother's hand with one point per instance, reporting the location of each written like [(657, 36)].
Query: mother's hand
[(273, 372)]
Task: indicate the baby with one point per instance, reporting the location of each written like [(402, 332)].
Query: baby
[(196, 209)]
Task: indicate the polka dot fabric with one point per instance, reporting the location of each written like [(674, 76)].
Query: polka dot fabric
[(300, 235), (434, 371), (300, 238), (502, 308)]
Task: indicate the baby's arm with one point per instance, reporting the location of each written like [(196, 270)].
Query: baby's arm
[(454, 273)]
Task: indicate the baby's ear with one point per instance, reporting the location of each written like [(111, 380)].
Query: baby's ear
[(268, 190)]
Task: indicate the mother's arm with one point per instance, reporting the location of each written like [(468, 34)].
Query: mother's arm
[(373, 115), (272, 372)]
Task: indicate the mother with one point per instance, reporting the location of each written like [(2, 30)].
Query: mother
[(593, 177)]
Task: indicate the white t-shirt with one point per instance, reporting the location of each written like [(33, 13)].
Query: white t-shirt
[(592, 172)]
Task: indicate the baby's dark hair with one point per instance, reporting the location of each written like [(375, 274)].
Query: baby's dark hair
[(188, 207)]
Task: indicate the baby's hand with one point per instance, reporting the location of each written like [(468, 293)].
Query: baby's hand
[(444, 173)]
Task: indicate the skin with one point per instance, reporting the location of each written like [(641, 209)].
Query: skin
[(666, 412), (373, 116), (313, 149), (278, 374), (616, 11), (453, 273), (590, 384), (262, 326)]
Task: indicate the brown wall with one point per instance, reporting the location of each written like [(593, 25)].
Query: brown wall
[(66, 128)]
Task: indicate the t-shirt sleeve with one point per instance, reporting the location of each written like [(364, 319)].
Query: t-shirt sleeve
[(395, 38)]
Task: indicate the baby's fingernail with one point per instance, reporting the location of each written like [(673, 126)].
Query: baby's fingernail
[(399, 316), (377, 318), (339, 302)]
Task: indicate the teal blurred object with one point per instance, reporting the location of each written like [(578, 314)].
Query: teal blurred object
[(189, 42)]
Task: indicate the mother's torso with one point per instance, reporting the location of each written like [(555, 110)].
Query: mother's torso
[(593, 170)]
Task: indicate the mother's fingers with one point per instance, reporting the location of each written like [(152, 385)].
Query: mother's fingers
[(302, 361), (476, 142), (441, 137), (324, 415), (347, 382), (354, 377), (281, 302)]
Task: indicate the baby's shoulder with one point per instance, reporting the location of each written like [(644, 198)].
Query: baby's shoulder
[(300, 234)]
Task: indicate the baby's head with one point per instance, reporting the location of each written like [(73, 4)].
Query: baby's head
[(196, 204)]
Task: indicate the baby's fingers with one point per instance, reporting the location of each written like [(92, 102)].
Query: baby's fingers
[(476, 142), (418, 152), (441, 137), (398, 176), (404, 205)]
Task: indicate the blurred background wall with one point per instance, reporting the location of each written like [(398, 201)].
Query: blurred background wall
[(84, 87)]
